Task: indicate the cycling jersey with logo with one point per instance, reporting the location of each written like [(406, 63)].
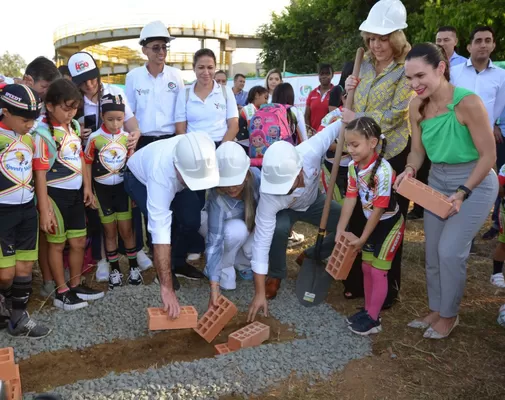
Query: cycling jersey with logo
[(16, 177), (107, 154), (66, 172)]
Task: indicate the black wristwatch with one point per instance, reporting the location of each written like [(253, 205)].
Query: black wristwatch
[(463, 189)]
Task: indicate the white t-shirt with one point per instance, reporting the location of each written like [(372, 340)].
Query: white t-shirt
[(152, 100), (210, 115)]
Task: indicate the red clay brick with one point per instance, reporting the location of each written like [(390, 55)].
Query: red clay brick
[(222, 349), (157, 319), (249, 336), (216, 318), (13, 391), (425, 196), (342, 257), (7, 366)]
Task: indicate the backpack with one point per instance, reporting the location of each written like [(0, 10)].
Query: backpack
[(269, 124)]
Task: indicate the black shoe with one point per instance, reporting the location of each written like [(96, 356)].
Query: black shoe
[(356, 317), (366, 326), (4, 314), (189, 272), (490, 234), (135, 277), (115, 279), (413, 215), (68, 301), (86, 293)]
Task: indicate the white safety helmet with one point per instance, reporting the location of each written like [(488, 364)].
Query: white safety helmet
[(281, 166), (233, 164), (195, 159), (385, 17), (155, 29)]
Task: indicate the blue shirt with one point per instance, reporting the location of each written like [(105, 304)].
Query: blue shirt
[(241, 98), (221, 208), (456, 59), (501, 123)]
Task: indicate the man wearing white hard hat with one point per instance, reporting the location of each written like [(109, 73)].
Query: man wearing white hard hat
[(231, 209), (289, 192), (161, 179), (383, 93), (152, 89)]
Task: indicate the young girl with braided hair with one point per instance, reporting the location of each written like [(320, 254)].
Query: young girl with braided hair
[(371, 178)]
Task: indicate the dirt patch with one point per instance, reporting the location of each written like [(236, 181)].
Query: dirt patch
[(127, 355)]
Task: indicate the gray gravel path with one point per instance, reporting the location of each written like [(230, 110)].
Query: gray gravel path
[(328, 346)]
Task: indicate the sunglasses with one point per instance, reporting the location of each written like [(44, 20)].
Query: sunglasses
[(158, 48)]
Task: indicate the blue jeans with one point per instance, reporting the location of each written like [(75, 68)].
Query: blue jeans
[(186, 207)]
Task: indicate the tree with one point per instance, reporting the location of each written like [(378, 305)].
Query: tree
[(11, 64)]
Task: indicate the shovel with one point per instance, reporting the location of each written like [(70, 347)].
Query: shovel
[(313, 282)]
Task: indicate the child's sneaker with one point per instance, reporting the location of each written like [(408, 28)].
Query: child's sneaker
[(102, 271), (27, 328), (366, 326), (86, 293), (143, 261), (135, 278), (356, 317), (4, 313), (68, 301), (501, 316), (497, 280), (115, 279)]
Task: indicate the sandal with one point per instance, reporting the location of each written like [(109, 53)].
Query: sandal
[(350, 296)]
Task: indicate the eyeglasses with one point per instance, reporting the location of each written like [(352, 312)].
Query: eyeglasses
[(157, 48)]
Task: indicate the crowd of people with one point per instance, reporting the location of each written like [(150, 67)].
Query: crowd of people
[(227, 173)]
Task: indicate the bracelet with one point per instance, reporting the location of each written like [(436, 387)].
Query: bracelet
[(466, 192), (411, 167)]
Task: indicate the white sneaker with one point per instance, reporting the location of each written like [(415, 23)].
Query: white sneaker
[(102, 270), (193, 256), (498, 280), (228, 279), (295, 239), (143, 261)]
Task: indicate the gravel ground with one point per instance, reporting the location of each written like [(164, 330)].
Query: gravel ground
[(328, 346)]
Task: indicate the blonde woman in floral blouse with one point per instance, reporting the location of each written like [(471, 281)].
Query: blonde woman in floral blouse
[(382, 93)]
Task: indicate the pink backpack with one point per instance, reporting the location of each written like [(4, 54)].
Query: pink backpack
[(268, 125)]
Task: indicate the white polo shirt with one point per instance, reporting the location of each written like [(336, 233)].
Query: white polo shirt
[(153, 166), (489, 85), (152, 100), (210, 115), (312, 152), (91, 108)]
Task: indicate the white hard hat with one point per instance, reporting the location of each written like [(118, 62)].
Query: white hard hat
[(233, 164), (155, 29), (385, 17), (281, 166), (195, 159)]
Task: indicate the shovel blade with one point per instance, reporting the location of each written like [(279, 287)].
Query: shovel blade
[(313, 283)]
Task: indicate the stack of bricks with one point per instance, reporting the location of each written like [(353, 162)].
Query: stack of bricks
[(9, 373), (249, 336), (158, 320), (425, 196), (342, 257), (216, 318)]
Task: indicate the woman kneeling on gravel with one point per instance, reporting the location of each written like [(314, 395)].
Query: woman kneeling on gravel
[(451, 126), (231, 209)]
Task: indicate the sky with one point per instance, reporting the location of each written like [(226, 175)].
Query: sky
[(32, 35)]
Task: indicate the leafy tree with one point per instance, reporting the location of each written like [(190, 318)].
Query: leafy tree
[(11, 64)]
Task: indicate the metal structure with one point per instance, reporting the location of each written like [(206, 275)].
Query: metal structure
[(119, 60)]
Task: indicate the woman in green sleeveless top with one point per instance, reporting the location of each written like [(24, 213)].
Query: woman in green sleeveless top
[(451, 126)]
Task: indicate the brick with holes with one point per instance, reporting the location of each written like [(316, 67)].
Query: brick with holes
[(425, 196), (249, 336), (222, 349), (157, 319), (215, 319), (13, 389), (342, 257), (8, 369)]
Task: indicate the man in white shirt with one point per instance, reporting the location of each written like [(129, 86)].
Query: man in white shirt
[(289, 192), (447, 37), (485, 79), (162, 179), (152, 89)]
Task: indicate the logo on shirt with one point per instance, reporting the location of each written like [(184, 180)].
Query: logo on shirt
[(172, 85), (220, 106), (142, 91), (305, 90)]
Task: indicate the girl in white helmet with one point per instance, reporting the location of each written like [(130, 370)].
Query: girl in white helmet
[(231, 211)]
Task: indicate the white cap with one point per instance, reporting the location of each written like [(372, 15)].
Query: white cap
[(385, 17), (82, 67), (281, 166), (155, 29), (195, 159), (233, 164)]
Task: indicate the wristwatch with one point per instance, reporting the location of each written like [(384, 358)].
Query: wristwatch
[(463, 189)]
